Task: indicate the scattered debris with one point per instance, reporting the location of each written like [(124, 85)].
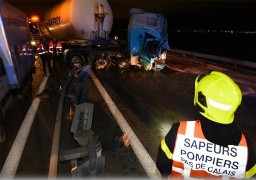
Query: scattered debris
[(126, 140)]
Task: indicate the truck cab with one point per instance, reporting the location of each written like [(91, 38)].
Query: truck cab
[(147, 39)]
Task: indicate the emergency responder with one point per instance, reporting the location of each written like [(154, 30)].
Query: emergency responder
[(55, 58), (212, 146), (45, 55)]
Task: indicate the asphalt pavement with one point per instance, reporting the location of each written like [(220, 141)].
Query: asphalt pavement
[(120, 161), (139, 97)]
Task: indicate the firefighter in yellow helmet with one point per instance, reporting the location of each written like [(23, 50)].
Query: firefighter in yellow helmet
[(212, 146)]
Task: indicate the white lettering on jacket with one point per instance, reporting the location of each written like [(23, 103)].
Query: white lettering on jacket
[(201, 154)]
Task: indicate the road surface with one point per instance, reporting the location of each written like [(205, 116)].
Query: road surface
[(150, 102)]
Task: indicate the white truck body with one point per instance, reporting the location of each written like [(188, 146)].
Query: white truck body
[(78, 20), (79, 25), (16, 52)]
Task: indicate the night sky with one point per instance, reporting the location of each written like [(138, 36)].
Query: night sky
[(181, 14)]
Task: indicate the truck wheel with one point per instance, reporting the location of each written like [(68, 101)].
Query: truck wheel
[(101, 63)]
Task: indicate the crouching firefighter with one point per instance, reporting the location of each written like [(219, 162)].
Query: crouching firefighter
[(212, 146)]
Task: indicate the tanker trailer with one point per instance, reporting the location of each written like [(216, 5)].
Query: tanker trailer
[(82, 27)]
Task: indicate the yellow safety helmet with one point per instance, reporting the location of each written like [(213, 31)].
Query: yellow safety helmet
[(217, 97)]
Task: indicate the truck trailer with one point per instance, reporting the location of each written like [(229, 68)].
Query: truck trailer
[(16, 58), (82, 27)]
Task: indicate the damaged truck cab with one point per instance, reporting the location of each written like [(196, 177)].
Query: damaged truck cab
[(147, 39)]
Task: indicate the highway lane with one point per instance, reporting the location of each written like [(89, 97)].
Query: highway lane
[(150, 102), (35, 156)]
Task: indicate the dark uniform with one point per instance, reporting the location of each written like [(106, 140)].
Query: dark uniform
[(55, 57), (45, 55)]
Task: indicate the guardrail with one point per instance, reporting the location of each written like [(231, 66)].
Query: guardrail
[(234, 62)]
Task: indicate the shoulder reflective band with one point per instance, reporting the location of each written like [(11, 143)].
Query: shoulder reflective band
[(166, 149), (251, 172)]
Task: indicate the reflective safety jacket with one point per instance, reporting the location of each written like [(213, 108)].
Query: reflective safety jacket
[(41, 49), (196, 157)]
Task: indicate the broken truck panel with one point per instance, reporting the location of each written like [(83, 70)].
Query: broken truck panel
[(147, 39)]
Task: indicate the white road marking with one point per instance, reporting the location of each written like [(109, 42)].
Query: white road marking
[(12, 161), (139, 150)]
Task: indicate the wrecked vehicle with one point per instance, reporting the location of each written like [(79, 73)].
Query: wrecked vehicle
[(83, 31), (147, 39)]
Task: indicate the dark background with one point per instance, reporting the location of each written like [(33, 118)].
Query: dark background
[(181, 14)]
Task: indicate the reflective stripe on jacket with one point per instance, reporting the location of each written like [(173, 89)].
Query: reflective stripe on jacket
[(41, 50), (194, 156)]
